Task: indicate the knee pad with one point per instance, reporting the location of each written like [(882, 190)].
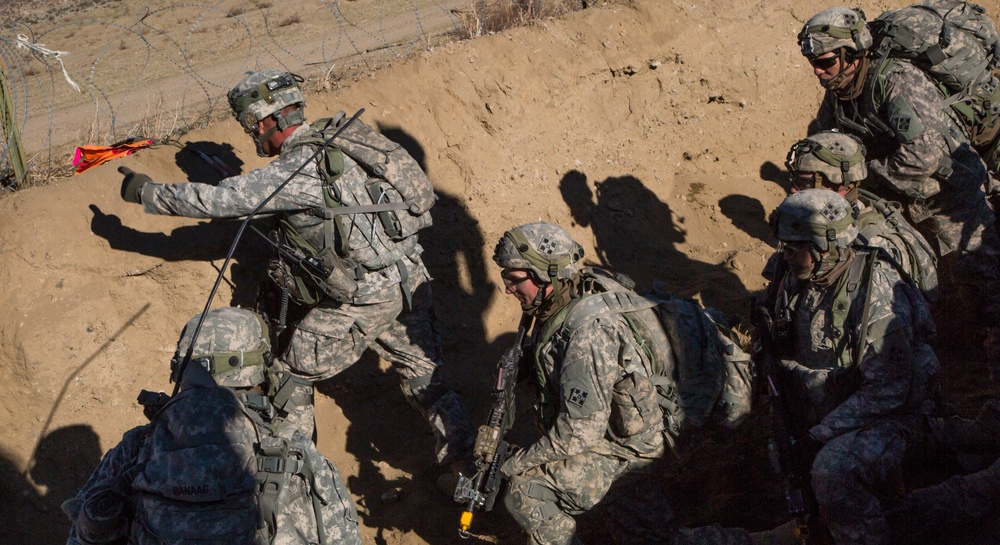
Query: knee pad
[(531, 503)]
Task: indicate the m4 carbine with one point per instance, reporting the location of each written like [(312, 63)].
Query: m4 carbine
[(787, 452), (492, 449)]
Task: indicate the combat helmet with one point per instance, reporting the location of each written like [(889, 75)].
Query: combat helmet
[(265, 93), (835, 157), (544, 249), (822, 217), (833, 29), (233, 346)]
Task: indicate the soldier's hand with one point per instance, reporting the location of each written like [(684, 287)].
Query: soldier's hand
[(132, 184)]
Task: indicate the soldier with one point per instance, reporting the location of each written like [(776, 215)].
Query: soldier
[(597, 406), (855, 367), (361, 277), (836, 161), (215, 464), (918, 153)]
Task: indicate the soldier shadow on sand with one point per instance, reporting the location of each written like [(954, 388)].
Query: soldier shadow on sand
[(60, 466), (207, 241), (635, 233), (208, 162), (388, 437)]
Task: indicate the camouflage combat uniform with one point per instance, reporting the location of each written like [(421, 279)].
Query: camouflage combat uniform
[(332, 336), (139, 472), (925, 162), (601, 418), (859, 411)]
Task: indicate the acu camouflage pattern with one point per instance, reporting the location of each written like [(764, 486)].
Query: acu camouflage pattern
[(539, 247), (957, 44), (839, 157), (925, 162), (859, 412), (606, 422), (331, 339), (197, 469), (237, 338), (832, 29), (819, 216), (332, 336), (264, 107), (303, 497), (237, 196)]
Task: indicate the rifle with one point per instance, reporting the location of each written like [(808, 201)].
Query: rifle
[(786, 452), (491, 449)]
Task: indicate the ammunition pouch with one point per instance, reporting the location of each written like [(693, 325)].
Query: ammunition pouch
[(317, 275)]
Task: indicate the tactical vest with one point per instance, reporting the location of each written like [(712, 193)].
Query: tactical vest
[(699, 371), (394, 192), (852, 282)]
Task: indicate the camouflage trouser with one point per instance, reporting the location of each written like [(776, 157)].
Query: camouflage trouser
[(543, 499), (332, 337), (857, 477)]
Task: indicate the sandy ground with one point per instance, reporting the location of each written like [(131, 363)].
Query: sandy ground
[(653, 131)]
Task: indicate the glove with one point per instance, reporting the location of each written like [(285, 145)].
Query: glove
[(132, 185)]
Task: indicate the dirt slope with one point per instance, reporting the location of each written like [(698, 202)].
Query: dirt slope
[(653, 131)]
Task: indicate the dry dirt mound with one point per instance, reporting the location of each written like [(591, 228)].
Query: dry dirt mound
[(653, 131)]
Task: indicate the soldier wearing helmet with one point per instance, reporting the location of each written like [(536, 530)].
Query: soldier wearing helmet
[(828, 159), (918, 153), (836, 161), (360, 275), (596, 403), (855, 367), (218, 462)]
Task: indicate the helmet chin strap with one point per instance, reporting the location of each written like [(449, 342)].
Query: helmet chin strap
[(834, 84), (259, 141)]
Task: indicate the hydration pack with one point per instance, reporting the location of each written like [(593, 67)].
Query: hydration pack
[(701, 373), (958, 46)]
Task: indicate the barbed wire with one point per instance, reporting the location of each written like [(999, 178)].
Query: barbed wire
[(157, 68)]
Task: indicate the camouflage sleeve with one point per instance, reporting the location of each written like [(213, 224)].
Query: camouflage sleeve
[(887, 363), (913, 110), (590, 369), (237, 196)]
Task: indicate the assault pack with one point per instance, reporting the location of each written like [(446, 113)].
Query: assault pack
[(958, 46), (700, 371), (396, 193), (214, 469), (881, 224)]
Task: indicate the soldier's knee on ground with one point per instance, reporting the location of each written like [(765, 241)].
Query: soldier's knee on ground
[(444, 411), (535, 508)]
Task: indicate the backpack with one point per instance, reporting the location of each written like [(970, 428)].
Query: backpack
[(396, 191), (701, 373), (239, 478), (957, 45), (195, 477), (881, 224)]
